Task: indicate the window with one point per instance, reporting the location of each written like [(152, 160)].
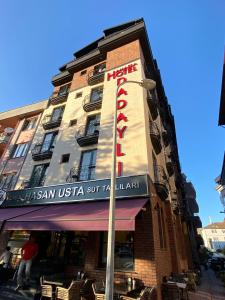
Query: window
[(223, 230), (78, 95), (38, 175), (64, 89), (20, 150), (57, 113), (87, 165), (29, 124), (65, 158), (124, 250), (49, 141), (213, 230), (75, 249), (83, 72), (7, 181), (92, 126), (161, 227), (99, 68), (73, 122), (216, 239), (96, 94)]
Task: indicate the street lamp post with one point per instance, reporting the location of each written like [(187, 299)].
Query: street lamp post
[(147, 84)]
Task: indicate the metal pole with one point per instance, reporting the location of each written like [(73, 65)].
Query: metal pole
[(111, 224)]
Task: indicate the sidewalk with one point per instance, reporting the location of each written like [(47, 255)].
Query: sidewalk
[(7, 292), (211, 288)]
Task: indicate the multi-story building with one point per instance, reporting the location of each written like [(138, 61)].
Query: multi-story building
[(220, 180), (213, 235), (17, 130), (62, 190)]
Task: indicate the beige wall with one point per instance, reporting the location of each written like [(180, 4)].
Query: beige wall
[(133, 144)]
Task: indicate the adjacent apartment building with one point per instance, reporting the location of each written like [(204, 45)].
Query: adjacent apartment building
[(214, 235), (60, 155)]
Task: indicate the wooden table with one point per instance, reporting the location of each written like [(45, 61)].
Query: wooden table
[(56, 279), (124, 288)]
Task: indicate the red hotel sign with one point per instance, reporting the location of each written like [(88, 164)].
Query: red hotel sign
[(122, 103)]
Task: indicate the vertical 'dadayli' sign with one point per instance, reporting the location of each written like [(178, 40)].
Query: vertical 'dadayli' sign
[(122, 102)]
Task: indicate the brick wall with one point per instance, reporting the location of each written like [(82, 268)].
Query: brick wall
[(123, 54)]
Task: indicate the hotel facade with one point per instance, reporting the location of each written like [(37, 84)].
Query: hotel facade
[(55, 166)]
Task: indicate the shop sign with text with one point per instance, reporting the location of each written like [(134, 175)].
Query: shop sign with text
[(122, 102), (126, 187)]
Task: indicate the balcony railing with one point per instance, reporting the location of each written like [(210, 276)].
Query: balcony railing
[(96, 76), (89, 104), (81, 174), (59, 98), (42, 151), (88, 136), (161, 183), (153, 105), (169, 165), (166, 137), (155, 137), (4, 138), (49, 122)]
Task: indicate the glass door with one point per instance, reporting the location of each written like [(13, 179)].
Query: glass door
[(87, 165), (57, 113), (49, 141), (38, 175)]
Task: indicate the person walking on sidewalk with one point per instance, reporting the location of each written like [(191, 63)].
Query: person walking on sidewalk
[(29, 252)]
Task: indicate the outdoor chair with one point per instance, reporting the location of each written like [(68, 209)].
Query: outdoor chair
[(99, 290), (86, 290), (191, 283), (70, 293), (145, 294), (46, 290), (171, 291)]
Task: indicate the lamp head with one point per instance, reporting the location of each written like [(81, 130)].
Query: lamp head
[(148, 84)]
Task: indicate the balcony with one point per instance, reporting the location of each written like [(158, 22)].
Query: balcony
[(86, 137), (90, 105), (59, 98), (4, 138), (165, 137), (42, 151), (161, 184), (96, 76), (49, 122), (153, 104), (81, 173), (155, 137), (169, 165)]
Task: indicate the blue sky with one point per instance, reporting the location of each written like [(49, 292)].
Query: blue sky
[(187, 39)]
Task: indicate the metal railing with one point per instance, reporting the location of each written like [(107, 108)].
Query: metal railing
[(89, 104), (96, 76), (81, 173), (42, 149), (51, 122), (160, 175), (87, 135), (58, 98)]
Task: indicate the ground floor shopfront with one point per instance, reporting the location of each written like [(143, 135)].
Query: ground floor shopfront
[(72, 237)]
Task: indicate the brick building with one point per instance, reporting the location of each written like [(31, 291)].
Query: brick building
[(61, 185)]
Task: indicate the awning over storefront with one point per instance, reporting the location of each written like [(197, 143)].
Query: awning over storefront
[(9, 213), (86, 216)]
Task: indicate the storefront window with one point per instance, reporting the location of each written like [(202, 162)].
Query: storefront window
[(124, 250), (77, 249)]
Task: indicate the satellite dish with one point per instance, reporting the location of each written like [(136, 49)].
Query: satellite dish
[(8, 130)]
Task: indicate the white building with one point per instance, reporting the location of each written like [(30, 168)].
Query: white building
[(214, 235)]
